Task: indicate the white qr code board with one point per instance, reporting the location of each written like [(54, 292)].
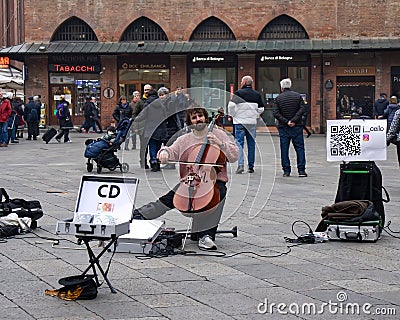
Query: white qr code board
[(356, 140)]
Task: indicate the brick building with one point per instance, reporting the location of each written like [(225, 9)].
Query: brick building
[(339, 54)]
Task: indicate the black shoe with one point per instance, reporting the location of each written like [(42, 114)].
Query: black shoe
[(14, 141), (303, 174), (308, 134), (240, 170), (251, 170), (34, 138), (286, 174), (28, 138), (155, 167)]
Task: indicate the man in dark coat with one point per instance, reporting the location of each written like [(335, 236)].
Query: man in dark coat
[(288, 109), (31, 116), (380, 105), (153, 116)]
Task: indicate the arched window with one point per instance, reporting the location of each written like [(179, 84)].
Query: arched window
[(144, 29), (74, 29), (212, 29), (283, 27)]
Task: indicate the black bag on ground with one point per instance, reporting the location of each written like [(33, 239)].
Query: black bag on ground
[(23, 208), (355, 212), (362, 181), (49, 134)]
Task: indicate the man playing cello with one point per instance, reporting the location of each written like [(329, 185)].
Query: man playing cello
[(195, 172)]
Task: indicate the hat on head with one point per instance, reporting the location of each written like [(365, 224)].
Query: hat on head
[(111, 128), (30, 98)]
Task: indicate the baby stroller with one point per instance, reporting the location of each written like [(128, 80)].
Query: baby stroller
[(107, 157)]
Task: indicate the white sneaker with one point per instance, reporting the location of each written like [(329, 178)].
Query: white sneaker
[(206, 243)]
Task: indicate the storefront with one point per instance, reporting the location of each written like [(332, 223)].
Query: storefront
[(355, 91), (76, 77), (271, 69), (134, 71), (395, 81), (212, 71)]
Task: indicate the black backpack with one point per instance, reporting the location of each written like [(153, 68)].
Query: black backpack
[(362, 181), (33, 115)]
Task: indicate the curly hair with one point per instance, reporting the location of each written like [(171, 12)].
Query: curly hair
[(192, 109)]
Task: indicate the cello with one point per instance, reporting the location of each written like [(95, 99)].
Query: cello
[(198, 190)]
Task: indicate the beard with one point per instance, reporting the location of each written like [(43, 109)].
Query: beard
[(200, 126)]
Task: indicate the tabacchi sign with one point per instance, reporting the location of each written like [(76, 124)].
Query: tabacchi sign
[(74, 68)]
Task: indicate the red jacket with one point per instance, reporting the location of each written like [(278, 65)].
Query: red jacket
[(5, 110)]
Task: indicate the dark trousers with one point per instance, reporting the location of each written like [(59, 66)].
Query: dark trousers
[(33, 129), (65, 133), (398, 151), (143, 150), (202, 224)]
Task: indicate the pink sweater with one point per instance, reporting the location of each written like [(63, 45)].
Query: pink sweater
[(184, 146)]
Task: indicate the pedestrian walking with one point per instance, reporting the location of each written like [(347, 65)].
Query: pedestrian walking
[(64, 118)]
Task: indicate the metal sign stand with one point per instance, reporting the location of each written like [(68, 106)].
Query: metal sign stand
[(95, 260)]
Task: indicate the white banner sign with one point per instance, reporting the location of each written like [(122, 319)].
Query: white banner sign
[(356, 140)]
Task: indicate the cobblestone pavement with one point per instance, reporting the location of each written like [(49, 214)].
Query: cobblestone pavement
[(330, 280)]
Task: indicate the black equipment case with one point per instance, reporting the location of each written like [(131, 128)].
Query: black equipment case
[(358, 181), (362, 181), (49, 134)]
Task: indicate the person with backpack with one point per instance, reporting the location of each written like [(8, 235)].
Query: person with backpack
[(31, 116), (64, 117)]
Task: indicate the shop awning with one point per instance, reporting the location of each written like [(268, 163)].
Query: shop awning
[(203, 47)]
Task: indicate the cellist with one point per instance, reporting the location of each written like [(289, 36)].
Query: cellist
[(204, 226)]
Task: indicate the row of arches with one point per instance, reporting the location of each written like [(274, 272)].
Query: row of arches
[(212, 28)]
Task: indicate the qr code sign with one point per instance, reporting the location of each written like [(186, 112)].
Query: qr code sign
[(345, 140)]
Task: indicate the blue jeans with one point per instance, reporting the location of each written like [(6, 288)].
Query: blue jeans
[(248, 131), (3, 132), (294, 134), (154, 146)]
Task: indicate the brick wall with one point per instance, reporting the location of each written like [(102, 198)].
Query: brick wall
[(321, 19)]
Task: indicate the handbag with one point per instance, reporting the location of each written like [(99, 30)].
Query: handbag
[(23, 208)]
